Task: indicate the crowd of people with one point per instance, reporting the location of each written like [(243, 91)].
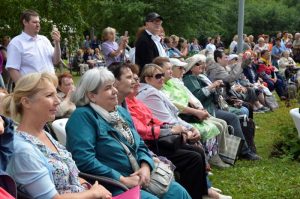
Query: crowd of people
[(164, 101)]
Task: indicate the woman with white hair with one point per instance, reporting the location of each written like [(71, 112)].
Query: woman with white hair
[(112, 51), (286, 62), (96, 130), (260, 46), (296, 47)]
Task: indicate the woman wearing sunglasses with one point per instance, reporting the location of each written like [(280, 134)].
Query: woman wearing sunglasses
[(193, 164)]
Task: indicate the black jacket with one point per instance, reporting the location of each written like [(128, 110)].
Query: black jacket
[(146, 50)]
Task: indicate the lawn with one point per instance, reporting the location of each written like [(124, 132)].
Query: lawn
[(270, 177)]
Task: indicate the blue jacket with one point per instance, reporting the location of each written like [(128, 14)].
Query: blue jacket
[(94, 149)]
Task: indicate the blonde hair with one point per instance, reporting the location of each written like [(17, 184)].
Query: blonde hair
[(106, 31), (148, 71), (261, 39), (26, 86)]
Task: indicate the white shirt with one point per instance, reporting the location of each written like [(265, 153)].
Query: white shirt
[(156, 39), (232, 46), (210, 48), (29, 54)]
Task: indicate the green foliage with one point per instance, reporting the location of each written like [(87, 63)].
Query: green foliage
[(187, 18)]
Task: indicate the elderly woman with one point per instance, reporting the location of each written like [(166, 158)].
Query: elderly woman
[(41, 167), (152, 80), (95, 131), (296, 47), (180, 96), (66, 88), (112, 51), (260, 46), (203, 89), (286, 62)]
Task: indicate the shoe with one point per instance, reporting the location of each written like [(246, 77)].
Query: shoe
[(216, 161), (250, 156), (265, 109), (283, 98)]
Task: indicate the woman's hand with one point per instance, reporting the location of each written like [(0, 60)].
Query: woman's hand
[(201, 115), (177, 129), (144, 174), (98, 191), (1, 125), (130, 181), (193, 135), (217, 83)]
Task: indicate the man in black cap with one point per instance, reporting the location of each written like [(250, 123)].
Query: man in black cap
[(148, 46)]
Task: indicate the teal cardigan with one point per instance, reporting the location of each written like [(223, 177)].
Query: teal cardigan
[(94, 149), (195, 85)]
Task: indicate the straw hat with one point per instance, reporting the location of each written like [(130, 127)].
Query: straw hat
[(176, 62), (193, 60)]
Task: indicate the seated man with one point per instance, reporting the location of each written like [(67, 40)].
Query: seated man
[(79, 63), (6, 149), (217, 71), (65, 87)]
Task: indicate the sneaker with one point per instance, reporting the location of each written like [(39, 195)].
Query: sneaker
[(250, 156), (265, 109), (216, 161)]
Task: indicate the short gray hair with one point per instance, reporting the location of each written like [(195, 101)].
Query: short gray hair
[(91, 81)]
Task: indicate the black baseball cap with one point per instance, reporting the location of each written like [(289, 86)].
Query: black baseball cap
[(152, 16)]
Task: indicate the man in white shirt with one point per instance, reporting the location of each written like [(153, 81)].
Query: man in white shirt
[(30, 52), (211, 46)]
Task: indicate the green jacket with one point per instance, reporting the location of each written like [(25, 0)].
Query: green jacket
[(195, 85)]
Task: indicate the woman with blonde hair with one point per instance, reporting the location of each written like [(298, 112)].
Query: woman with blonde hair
[(112, 51), (41, 167)]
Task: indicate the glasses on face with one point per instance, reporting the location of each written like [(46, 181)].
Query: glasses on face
[(198, 64), (159, 76), (136, 79), (157, 21)]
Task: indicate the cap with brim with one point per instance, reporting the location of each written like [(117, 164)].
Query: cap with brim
[(193, 60), (232, 56), (177, 63), (152, 16)]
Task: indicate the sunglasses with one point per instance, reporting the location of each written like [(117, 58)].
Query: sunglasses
[(198, 64), (159, 75)]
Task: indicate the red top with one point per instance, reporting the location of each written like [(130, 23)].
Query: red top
[(143, 119)]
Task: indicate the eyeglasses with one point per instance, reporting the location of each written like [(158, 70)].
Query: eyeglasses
[(159, 75), (136, 79), (198, 64)]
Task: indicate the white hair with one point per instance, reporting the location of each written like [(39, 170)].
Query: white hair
[(91, 81)]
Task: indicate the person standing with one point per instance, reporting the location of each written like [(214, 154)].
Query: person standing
[(30, 52), (148, 46)]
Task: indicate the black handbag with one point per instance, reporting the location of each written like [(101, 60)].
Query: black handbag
[(171, 142)]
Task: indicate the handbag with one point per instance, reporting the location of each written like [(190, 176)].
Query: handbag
[(161, 175), (222, 103), (134, 193), (171, 141), (233, 144)]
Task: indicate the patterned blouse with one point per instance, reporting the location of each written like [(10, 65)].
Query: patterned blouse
[(64, 170)]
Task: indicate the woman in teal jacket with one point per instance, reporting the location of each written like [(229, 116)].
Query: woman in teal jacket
[(92, 131)]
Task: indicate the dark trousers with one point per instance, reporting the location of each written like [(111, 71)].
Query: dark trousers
[(279, 85), (190, 163), (232, 120)]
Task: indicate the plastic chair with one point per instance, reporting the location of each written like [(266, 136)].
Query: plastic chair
[(58, 127), (296, 118)]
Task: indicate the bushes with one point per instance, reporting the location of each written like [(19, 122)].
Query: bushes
[(287, 145)]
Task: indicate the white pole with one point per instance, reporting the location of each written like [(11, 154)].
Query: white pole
[(241, 25)]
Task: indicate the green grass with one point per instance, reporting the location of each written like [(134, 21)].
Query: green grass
[(270, 177)]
